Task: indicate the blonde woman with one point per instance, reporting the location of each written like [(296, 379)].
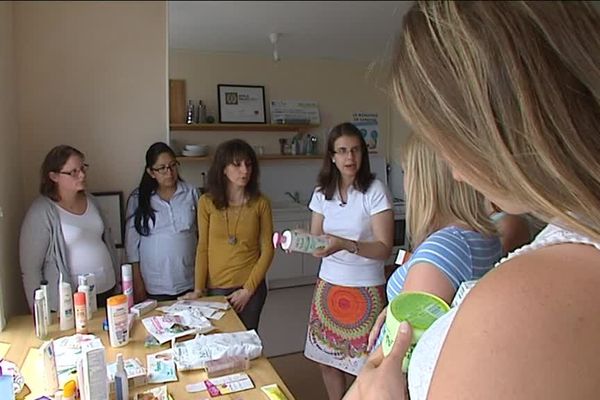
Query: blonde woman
[(452, 237), (509, 94)]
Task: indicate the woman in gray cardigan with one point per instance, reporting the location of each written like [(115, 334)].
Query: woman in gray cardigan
[(64, 232)]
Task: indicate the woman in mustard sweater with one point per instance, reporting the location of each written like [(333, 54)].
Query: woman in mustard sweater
[(236, 227)]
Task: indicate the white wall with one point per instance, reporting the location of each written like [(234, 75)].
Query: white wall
[(340, 88), (92, 75), (89, 74), (10, 171)]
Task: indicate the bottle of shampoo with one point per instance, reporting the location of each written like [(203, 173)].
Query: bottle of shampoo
[(67, 321)]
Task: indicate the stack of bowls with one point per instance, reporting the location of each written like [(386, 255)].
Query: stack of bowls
[(195, 150)]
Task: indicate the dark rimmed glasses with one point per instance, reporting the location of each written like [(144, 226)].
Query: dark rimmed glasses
[(74, 173), (164, 168)]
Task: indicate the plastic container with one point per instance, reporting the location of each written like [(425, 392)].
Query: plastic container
[(118, 324), (227, 366), (91, 282), (41, 329), (303, 242), (85, 289), (67, 320), (420, 310), (127, 283), (47, 314), (80, 312)]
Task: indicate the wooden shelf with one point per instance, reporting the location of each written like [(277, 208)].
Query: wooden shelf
[(263, 157), (241, 127)]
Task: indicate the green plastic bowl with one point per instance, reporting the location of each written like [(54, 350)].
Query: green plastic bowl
[(419, 309)]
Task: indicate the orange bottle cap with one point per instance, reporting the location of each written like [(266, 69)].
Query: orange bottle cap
[(116, 300)]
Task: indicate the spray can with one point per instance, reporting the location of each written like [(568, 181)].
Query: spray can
[(127, 283), (80, 312), (41, 329), (66, 306), (84, 288), (295, 240), (118, 322)]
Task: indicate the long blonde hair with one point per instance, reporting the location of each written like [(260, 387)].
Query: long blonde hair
[(434, 198), (509, 93)]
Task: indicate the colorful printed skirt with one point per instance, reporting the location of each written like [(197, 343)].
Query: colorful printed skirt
[(340, 321)]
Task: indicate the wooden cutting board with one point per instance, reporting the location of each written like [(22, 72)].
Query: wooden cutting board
[(177, 108)]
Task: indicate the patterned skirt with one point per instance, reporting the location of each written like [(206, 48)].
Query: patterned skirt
[(340, 321)]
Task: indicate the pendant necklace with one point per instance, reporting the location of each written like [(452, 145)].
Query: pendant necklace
[(232, 239)]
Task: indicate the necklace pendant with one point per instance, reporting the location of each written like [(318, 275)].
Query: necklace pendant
[(231, 240)]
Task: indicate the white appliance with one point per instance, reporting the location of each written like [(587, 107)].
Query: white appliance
[(379, 167)]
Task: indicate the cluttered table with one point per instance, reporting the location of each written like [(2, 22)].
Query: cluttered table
[(19, 345)]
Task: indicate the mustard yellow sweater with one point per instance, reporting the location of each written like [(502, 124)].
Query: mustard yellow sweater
[(220, 264)]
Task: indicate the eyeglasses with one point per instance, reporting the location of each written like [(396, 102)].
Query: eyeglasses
[(342, 151), (164, 168), (74, 173)]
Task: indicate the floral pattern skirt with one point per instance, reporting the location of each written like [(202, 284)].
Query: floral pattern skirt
[(339, 324)]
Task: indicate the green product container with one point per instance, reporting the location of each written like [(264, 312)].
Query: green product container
[(420, 310)]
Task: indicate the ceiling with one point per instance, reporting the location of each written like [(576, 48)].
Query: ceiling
[(338, 30)]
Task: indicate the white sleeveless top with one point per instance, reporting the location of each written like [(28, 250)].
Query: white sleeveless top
[(426, 353)]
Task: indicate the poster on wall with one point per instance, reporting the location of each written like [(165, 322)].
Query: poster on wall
[(239, 104), (295, 112), (368, 126)]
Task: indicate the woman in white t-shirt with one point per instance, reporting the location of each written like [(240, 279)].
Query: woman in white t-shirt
[(354, 210), (64, 232), (509, 94)]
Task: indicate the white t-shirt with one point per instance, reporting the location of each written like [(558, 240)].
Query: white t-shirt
[(86, 252), (352, 221)]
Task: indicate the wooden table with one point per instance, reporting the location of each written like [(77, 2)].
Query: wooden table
[(23, 351)]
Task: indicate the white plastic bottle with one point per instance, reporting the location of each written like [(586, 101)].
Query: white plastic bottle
[(118, 320), (127, 283), (41, 330), (44, 287), (85, 289), (67, 320), (90, 280), (121, 382)]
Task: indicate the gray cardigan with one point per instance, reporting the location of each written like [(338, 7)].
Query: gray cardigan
[(42, 249)]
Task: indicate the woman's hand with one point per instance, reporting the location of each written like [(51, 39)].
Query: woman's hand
[(381, 378), (376, 329), (239, 299), (336, 244), (196, 294)]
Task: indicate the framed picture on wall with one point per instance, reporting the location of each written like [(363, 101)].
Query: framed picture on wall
[(111, 206), (239, 104)]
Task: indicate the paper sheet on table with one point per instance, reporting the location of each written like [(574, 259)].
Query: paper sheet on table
[(193, 354), (161, 367), (167, 327), (208, 309)]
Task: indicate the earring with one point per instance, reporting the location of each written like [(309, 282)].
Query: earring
[(333, 160)]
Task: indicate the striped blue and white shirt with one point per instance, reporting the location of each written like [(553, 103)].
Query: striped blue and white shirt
[(461, 254)]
